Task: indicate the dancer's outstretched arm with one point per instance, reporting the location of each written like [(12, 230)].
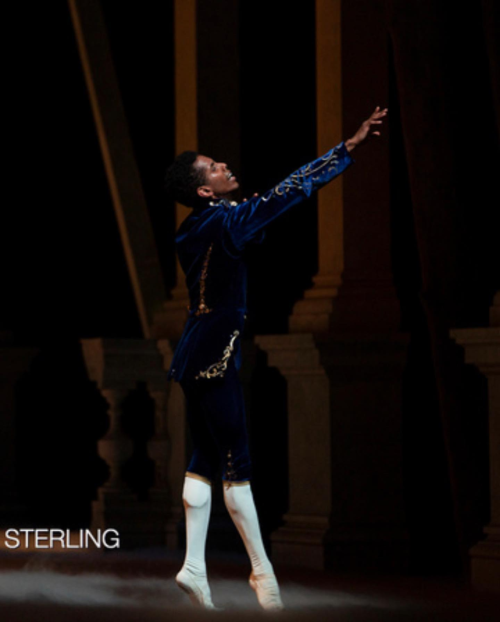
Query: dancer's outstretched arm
[(243, 221)]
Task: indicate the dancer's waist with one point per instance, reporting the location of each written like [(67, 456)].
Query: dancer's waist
[(202, 310)]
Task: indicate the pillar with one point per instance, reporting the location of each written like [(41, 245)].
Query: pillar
[(173, 427), (345, 501), (205, 120), (116, 366), (314, 310), (345, 356), (353, 289), (170, 319), (482, 349)]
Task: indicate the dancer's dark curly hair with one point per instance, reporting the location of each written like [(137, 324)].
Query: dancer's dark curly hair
[(182, 179)]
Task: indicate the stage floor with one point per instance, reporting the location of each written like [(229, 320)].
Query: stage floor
[(57, 587)]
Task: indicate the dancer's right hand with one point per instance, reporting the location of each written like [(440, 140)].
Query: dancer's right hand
[(365, 131)]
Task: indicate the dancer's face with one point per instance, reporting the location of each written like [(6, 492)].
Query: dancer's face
[(219, 181)]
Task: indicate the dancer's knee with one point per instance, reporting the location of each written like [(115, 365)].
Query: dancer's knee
[(235, 493), (197, 491)]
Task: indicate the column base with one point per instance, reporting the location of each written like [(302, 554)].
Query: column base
[(301, 542), (139, 523), (344, 400), (384, 548), (311, 314), (111, 511), (356, 307), (309, 542)]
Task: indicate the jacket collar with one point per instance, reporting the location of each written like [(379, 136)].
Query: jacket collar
[(215, 203), (223, 203)]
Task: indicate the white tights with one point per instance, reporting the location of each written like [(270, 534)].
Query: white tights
[(197, 498), (241, 507)]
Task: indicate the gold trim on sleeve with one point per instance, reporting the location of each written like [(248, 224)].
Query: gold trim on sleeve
[(295, 180)]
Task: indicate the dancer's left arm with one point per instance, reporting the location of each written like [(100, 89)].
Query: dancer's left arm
[(242, 222)]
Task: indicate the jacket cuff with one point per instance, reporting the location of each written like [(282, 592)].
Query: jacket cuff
[(345, 154)]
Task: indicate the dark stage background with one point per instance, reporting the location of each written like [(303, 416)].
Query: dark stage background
[(64, 272)]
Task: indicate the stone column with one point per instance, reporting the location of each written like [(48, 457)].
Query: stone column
[(314, 310), (301, 540), (482, 349), (158, 446), (164, 507), (205, 121), (169, 321), (347, 380), (353, 289), (117, 365), (174, 427), (115, 448), (115, 502), (344, 447)]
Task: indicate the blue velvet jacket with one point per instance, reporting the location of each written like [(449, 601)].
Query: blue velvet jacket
[(210, 244)]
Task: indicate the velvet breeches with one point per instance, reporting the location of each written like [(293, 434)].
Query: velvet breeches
[(216, 417)]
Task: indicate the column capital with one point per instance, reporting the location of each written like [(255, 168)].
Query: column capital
[(482, 347), (118, 364)]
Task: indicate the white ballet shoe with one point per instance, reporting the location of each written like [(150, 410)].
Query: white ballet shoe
[(267, 590), (196, 588)]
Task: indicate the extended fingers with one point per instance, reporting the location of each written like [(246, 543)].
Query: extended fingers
[(380, 113)]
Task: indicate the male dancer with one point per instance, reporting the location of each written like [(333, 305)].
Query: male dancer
[(210, 244)]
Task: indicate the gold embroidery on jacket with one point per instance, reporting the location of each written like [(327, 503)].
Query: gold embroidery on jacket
[(202, 306), (293, 180), (219, 368)]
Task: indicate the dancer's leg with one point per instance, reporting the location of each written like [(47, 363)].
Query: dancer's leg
[(240, 504), (192, 578), (197, 500), (224, 410), (241, 507)]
